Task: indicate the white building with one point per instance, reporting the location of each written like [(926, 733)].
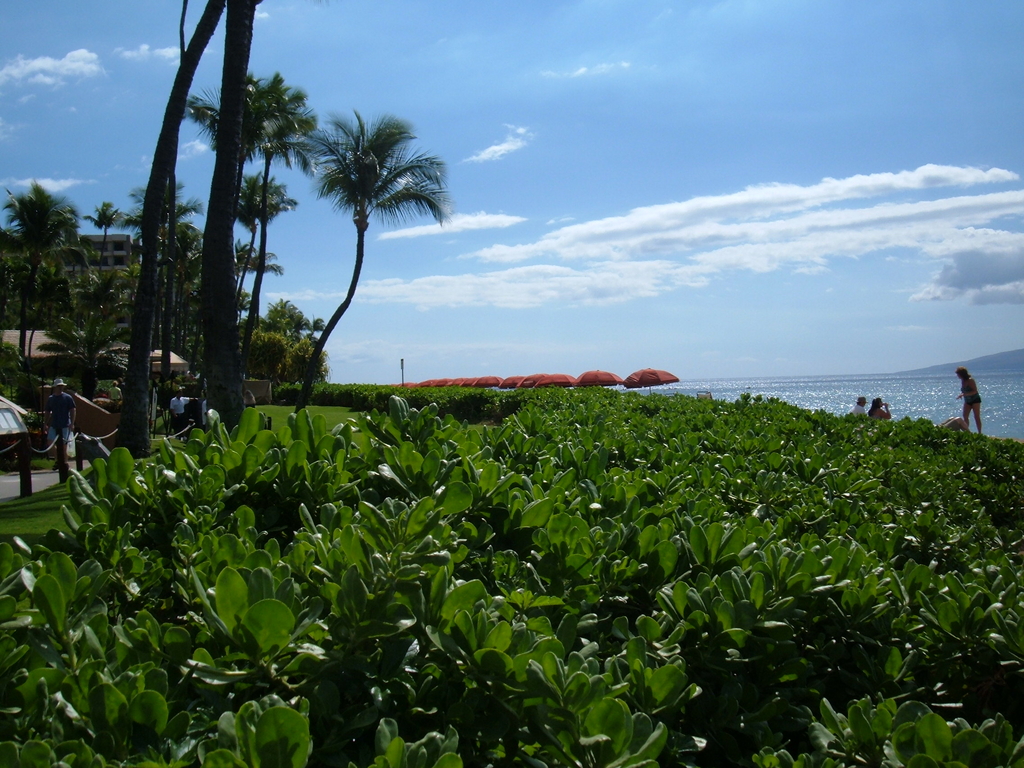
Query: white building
[(116, 253)]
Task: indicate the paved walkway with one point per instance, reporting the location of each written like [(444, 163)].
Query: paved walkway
[(10, 484)]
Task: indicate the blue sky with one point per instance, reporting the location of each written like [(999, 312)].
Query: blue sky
[(714, 188)]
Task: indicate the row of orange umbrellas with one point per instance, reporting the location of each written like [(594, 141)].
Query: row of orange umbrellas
[(645, 377)]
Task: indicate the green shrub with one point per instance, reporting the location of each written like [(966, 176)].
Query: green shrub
[(602, 579)]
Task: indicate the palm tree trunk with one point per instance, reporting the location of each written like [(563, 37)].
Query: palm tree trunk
[(245, 267), (261, 266), (28, 290), (170, 274), (318, 348), (218, 310), (134, 428)]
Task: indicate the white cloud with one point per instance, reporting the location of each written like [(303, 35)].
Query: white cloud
[(532, 286), (5, 129), (980, 276), (599, 69), (144, 52), (262, 15), (46, 70), (760, 229), (517, 138), (460, 222), (50, 185), (192, 149)]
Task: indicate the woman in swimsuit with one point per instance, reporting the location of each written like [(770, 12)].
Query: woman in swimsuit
[(879, 410), (972, 400)]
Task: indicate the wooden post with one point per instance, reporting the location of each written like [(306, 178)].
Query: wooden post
[(25, 464), (62, 457)]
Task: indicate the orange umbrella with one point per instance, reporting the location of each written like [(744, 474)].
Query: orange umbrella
[(511, 382), (598, 379), (488, 381), (556, 380), (436, 383), (649, 377), (529, 382)]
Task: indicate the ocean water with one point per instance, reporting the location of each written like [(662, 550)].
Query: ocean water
[(921, 396)]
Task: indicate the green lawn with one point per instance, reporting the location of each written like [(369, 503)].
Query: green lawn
[(32, 517), (334, 415), (35, 515)]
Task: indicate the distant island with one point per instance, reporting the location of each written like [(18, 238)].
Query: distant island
[(1002, 361)]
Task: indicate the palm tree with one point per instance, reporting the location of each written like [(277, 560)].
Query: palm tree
[(285, 318), (134, 427), (275, 125), (107, 216), (250, 214), (222, 359), (105, 294), (98, 341), (41, 227), (284, 122), (371, 170)]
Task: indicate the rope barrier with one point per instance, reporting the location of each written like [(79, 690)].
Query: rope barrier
[(47, 448), (189, 428), (96, 437)]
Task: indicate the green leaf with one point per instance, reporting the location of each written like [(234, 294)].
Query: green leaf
[(493, 661), (232, 597), (296, 456), (699, 544), (64, 571), (922, 761), (448, 760), (177, 644), (49, 599), (9, 754), (463, 598), (969, 743), (893, 663), (537, 513), (934, 737), (271, 623), (149, 708), (282, 738), (30, 688), (108, 707), (457, 497), (36, 754), (667, 684), (395, 753), (610, 717), (248, 425), (500, 637), (222, 758), (820, 737), (387, 731)]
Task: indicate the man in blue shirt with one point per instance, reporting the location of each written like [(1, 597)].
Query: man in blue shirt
[(60, 413)]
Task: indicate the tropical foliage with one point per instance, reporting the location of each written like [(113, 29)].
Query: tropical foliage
[(42, 230), (88, 347), (278, 358), (601, 580)]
